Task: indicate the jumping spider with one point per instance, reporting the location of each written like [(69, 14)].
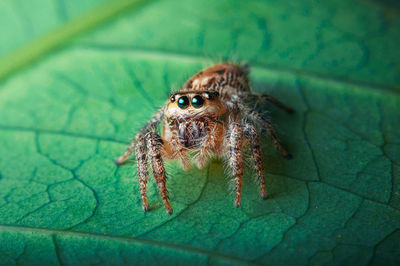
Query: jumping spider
[(208, 116)]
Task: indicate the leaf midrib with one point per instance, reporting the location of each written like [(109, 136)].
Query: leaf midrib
[(39, 48)]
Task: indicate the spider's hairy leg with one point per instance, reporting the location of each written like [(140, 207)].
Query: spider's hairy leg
[(236, 158), (142, 172), (271, 99), (251, 134), (257, 118), (151, 125), (129, 150), (275, 140), (262, 98), (154, 144)]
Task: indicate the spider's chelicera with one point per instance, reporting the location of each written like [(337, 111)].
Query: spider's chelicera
[(209, 116)]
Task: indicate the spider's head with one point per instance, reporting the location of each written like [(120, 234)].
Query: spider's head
[(191, 113)]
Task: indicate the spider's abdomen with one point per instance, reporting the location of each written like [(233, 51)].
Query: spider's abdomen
[(218, 77)]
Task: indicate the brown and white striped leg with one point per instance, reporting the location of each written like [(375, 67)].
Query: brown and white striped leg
[(129, 150), (151, 125), (259, 119), (254, 139), (275, 101), (143, 172), (154, 145), (236, 158), (275, 140)]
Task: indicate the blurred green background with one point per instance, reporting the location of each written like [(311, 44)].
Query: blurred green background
[(79, 78)]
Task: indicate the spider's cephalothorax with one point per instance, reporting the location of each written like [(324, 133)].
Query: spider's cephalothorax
[(208, 116)]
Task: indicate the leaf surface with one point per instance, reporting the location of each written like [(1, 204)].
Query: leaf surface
[(65, 117)]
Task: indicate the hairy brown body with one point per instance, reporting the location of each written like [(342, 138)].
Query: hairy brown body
[(206, 118)]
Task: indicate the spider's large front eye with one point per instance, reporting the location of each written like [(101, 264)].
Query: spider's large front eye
[(183, 102), (197, 101)]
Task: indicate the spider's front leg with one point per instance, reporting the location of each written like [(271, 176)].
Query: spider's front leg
[(149, 143), (143, 172), (236, 158), (154, 144)]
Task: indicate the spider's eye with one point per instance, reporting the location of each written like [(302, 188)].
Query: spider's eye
[(209, 96), (183, 102), (172, 99), (197, 101)]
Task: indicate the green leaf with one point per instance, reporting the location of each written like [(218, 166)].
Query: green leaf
[(79, 89)]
